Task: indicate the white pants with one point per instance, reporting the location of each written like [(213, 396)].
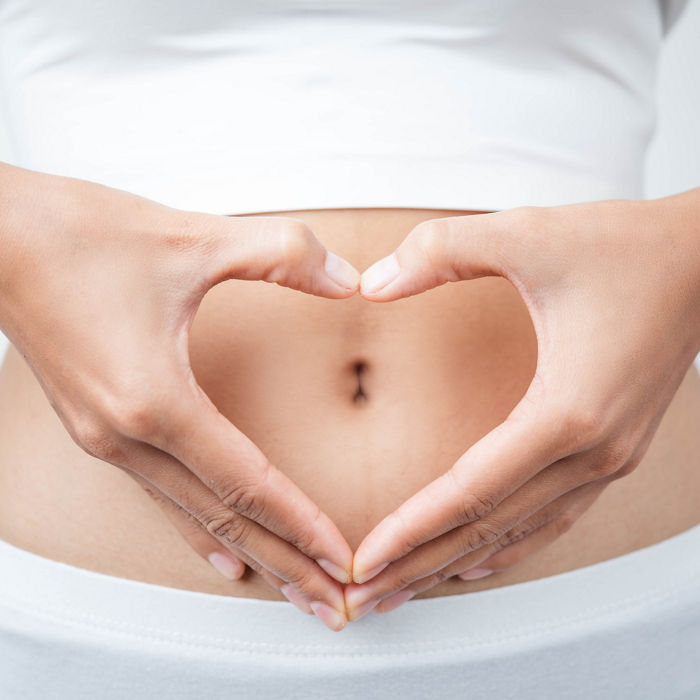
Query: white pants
[(628, 627)]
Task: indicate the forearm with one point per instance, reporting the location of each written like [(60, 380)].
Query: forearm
[(36, 211), (24, 195), (13, 208), (677, 219)]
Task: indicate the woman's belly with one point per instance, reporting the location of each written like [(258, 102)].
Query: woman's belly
[(361, 404)]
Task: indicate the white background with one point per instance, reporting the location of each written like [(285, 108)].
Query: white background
[(673, 161)]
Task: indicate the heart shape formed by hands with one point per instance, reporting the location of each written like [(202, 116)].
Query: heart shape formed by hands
[(415, 260)]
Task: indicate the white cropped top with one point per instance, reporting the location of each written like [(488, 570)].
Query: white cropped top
[(241, 106)]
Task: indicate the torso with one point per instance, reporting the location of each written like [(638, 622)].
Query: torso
[(437, 371)]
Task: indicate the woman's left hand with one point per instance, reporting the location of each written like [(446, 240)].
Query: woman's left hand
[(613, 291)]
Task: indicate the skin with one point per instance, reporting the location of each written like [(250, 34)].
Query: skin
[(146, 268), (627, 270), (202, 255)]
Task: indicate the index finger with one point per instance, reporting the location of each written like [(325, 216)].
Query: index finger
[(493, 468)]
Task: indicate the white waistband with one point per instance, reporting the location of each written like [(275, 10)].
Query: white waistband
[(583, 597)]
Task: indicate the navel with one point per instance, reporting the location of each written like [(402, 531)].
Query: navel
[(360, 369)]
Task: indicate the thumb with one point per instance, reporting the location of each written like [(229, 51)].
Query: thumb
[(276, 249), (436, 251)]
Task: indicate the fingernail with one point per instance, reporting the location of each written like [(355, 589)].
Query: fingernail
[(293, 596), (474, 573), (380, 274), (331, 618), (337, 572), (393, 601), (341, 272), (363, 609), (231, 569), (362, 577)]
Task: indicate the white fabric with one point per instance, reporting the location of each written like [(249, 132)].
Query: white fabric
[(628, 627), (235, 106)]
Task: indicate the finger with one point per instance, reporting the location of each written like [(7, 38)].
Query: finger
[(225, 562), (532, 533), (143, 455), (278, 249), (198, 436), (230, 565), (436, 251), (252, 543), (550, 491), (494, 467)]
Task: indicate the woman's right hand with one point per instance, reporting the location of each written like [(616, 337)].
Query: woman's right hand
[(98, 290)]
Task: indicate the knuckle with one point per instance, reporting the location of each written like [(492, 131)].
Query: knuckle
[(246, 496), (139, 420), (563, 522), (302, 578), (477, 536), (580, 429), (628, 467), (618, 452), (99, 441), (145, 421), (229, 528), (609, 460), (295, 239), (141, 413), (241, 499), (600, 469), (514, 535), (476, 507), (428, 239)]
